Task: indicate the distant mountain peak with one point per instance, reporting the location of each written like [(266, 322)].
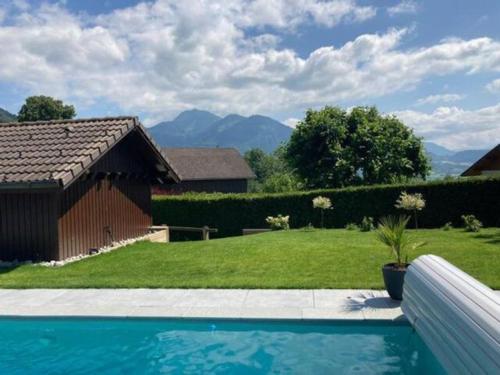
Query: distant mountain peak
[(258, 117), (234, 116), (194, 113), (197, 128)]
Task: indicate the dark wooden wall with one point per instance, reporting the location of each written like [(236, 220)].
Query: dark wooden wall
[(95, 213), (112, 203), (207, 186), (28, 226), (488, 167)]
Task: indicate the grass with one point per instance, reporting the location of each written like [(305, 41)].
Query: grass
[(293, 259)]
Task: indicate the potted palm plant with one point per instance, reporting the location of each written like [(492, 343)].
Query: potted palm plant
[(392, 233)]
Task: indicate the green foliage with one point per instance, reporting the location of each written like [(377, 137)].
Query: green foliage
[(334, 148), (351, 226), (280, 183), (392, 233), (471, 223), (262, 164), (273, 173), (38, 108), (447, 227), (230, 213), (366, 224)]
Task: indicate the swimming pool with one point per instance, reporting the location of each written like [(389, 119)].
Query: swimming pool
[(150, 346)]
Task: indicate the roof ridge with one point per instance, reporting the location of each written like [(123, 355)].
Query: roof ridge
[(63, 121)]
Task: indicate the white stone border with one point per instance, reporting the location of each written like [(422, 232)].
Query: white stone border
[(57, 263)]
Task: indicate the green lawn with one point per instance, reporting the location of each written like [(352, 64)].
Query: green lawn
[(293, 259)]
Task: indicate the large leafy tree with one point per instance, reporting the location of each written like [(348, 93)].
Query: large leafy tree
[(333, 148), (272, 171), (40, 108)]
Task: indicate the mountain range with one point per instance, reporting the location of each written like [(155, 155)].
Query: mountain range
[(446, 162), (196, 128), (6, 116)]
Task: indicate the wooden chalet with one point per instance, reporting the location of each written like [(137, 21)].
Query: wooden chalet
[(70, 186), (207, 170)]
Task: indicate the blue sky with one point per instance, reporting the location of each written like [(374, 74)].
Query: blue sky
[(434, 64)]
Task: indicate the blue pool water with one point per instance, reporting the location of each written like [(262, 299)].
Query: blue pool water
[(152, 346)]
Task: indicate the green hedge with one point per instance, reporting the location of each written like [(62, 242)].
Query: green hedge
[(446, 201)]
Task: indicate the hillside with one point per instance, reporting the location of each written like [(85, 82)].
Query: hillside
[(197, 128), (6, 116)]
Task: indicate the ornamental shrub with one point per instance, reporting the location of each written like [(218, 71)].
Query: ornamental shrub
[(448, 226), (351, 226), (278, 222), (323, 203), (411, 202), (366, 224), (471, 223)]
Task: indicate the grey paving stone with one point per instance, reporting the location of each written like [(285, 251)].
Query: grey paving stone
[(201, 303), (279, 298)]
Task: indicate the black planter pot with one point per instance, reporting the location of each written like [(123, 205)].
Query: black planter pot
[(394, 279)]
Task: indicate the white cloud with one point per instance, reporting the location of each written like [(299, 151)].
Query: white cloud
[(291, 122), (404, 7), (494, 86), (291, 13), (165, 56), (440, 98), (456, 127), (22, 5)]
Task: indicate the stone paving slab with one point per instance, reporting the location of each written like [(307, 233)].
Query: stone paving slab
[(201, 303)]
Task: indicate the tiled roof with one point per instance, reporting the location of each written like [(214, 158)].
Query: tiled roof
[(207, 163), (56, 152)]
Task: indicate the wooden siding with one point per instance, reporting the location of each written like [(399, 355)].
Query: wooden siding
[(116, 206), (489, 166), (95, 213), (129, 156), (109, 202), (28, 224)]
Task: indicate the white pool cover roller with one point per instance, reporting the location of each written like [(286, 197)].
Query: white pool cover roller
[(457, 316)]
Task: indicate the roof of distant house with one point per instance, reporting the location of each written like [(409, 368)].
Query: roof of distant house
[(484, 163), (56, 153), (208, 164)]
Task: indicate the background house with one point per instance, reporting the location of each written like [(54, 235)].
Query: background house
[(206, 170), (73, 185), (489, 164)]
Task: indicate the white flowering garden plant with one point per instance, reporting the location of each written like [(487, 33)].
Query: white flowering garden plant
[(279, 222), (411, 202), (323, 203)]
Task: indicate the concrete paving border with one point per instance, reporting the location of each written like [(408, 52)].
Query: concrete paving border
[(315, 304)]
